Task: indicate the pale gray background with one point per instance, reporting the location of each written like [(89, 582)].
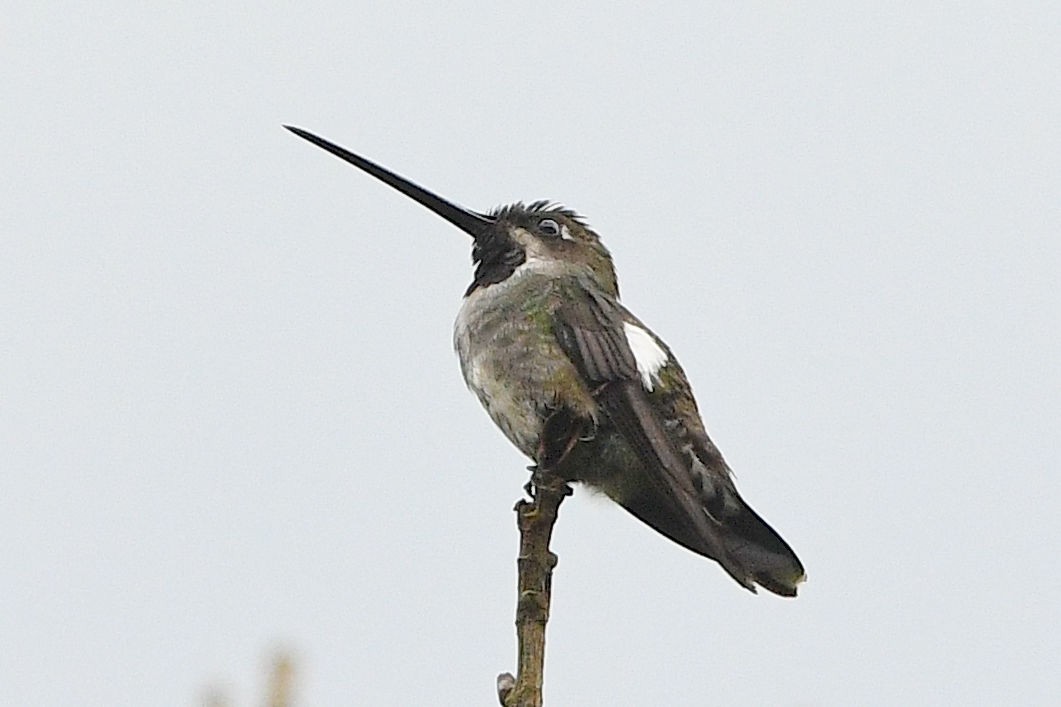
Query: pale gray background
[(232, 421)]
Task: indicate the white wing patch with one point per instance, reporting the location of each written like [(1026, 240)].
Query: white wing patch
[(649, 355)]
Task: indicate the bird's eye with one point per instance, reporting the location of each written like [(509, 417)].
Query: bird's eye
[(548, 227)]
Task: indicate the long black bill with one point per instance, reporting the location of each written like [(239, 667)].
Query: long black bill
[(470, 222)]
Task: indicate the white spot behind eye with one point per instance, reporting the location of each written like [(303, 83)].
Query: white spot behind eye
[(566, 234), (649, 355)]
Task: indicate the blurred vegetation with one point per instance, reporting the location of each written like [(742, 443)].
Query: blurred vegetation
[(279, 690)]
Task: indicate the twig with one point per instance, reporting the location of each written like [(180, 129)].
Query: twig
[(535, 519)]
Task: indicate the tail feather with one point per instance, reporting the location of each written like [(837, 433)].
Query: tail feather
[(753, 552), (765, 556)]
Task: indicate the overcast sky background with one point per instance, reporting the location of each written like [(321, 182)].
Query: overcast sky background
[(231, 420)]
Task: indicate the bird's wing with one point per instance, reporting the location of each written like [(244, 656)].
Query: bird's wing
[(590, 329)]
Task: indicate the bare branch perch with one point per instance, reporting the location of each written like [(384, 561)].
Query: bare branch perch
[(535, 519)]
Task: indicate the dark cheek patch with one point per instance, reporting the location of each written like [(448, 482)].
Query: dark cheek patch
[(496, 256)]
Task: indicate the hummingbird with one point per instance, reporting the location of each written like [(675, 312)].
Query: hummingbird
[(584, 388)]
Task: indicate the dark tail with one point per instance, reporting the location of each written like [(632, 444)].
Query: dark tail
[(763, 554), (753, 553)]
